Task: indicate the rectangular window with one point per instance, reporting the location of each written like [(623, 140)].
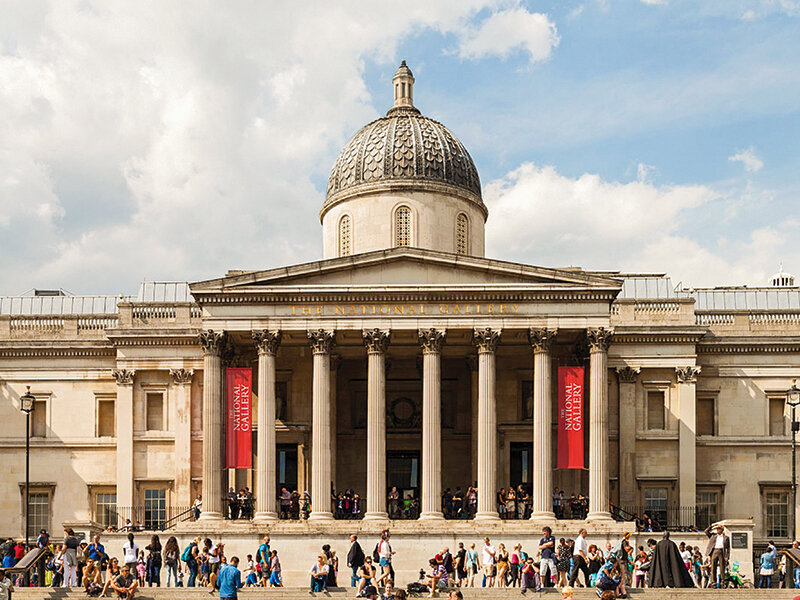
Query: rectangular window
[(705, 416), (105, 509), (776, 513), (155, 508), (777, 422), (106, 426), (707, 508), (155, 411), (655, 409), (655, 504), (39, 419), (39, 511)]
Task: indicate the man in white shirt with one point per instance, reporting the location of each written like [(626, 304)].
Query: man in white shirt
[(580, 559), (488, 560), (5, 586)]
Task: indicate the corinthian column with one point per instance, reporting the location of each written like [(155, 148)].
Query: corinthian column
[(182, 378), (376, 342), (542, 500), (486, 340), (321, 343), (213, 343), (124, 430), (687, 441), (599, 340), (267, 343), (431, 341)]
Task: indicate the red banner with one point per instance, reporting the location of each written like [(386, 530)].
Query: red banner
[(239, 446), (570, 418)]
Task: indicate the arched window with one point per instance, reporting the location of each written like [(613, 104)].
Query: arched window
[(402, 226), (462, 234), (345, 236)]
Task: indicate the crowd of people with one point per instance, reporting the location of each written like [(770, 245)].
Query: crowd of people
[(562, 563)]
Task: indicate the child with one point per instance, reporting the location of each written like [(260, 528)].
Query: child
[(141, 568), (205, 568), (638, 572), (275, 570), (250, 572), (180, 579)]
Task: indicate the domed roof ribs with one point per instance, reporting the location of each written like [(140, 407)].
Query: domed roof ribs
[(445, 166), (360, 156), (419, 162)]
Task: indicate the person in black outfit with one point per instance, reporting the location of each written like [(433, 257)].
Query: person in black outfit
[(355, 558)]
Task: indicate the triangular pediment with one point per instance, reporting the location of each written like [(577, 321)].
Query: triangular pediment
[(400, 267)]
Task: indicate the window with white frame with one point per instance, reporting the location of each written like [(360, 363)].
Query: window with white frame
[(345, 236), (155, 508), (105, 508), (402, 226), (655, 503), (707, 507), (39, 512), (462, 234), (776, 502)]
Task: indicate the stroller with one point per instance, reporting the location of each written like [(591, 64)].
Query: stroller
[(734, 579)]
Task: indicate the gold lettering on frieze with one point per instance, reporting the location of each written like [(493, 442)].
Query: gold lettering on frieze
[(356, 310)]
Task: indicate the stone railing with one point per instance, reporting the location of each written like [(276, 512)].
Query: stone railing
[(140, 315), (629, 311), (777, 322)]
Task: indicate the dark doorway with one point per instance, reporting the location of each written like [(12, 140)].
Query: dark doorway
[(286, 466), (521, 464), (402, 471)]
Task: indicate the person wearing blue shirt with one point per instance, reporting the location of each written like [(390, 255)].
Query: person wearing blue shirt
[(229, 579), (96, 551), (767, 569)]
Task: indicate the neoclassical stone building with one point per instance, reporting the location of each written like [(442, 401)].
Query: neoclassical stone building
[(404, 358)]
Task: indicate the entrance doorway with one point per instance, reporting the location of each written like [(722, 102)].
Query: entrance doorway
[(521, 463), (286, 466), (402, 471)]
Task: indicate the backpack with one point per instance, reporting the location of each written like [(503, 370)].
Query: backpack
[(94, 590), (169, 559), (376, 555), (187, 553)]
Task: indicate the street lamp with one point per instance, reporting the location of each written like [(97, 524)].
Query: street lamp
[(26, 404), (793, 400)]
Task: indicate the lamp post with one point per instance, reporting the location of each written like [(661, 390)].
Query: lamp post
[(793, 400), (26, 405)]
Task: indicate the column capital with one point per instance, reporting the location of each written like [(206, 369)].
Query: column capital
[(182, 376), (123, 376), (628, 374), (599, 339), (486, 339), (541, 339), (267, 341), (687, 374), (212, 342), (321, 340), (431, 339), (376, 340)]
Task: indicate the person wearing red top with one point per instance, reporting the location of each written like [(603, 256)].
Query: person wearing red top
[(19, 551)]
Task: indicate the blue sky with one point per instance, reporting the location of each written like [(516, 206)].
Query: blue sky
[(151, 141)]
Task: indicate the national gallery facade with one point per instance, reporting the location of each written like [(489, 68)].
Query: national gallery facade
[(404, 358)]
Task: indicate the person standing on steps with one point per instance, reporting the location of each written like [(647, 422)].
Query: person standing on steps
[(580, 559), (719, 548), (385, 554), (355, 558), (229, 580)]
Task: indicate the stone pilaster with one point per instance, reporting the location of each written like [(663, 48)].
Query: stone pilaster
[(687, 442), (182, 390), (266, 486), (431, 341), (627, 435), (486, 340), (599, 340), (123, 414), (321, 343), (542, 499), (213, 344), (376, 342)]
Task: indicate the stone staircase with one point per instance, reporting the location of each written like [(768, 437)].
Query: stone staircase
[(469, 594)]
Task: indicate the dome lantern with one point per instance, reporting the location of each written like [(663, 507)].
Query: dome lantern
[(403, 82)]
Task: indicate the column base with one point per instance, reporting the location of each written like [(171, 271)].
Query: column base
[(210, 516), (544, 517), (486, 517), (599, 516), (431, 516), (376, 516), (320, 516), (265, 517)]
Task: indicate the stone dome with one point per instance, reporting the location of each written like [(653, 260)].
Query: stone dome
[(406, 149)]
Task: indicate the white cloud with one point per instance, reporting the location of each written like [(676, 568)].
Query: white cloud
[(510, 30), (654, 2), (748, 158), (166, 140), (539, 216)]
